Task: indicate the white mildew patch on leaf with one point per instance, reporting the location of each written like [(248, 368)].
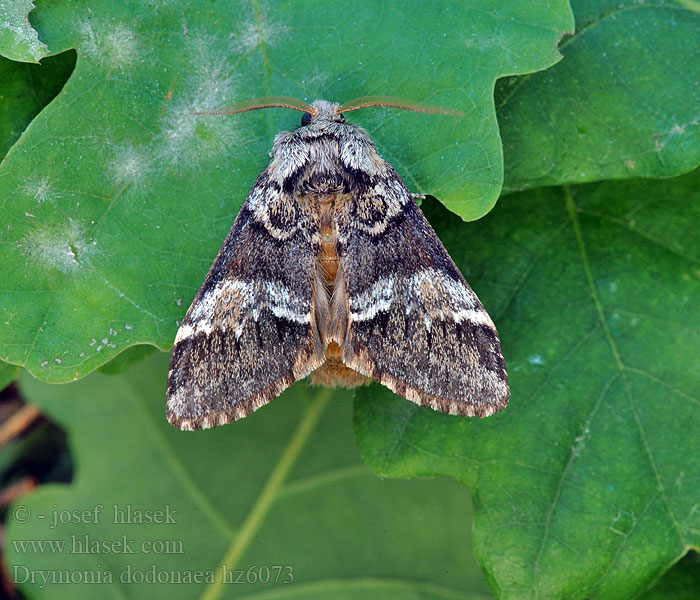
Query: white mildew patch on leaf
[(676, 131), (318, 78), (259, 29), (40, 189), (18, 39), (128, 164), (105, 341), (75, 356), (187, 137), (64, 247), (113, 46), (211, 73)]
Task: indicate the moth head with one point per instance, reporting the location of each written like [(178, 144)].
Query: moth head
[(322, 110)]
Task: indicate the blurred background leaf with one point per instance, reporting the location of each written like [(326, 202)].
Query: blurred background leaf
[(285, 486)]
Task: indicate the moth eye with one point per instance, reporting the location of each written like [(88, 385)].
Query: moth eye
[(306, 118)]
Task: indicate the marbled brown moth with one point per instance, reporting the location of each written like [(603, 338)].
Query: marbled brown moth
[(331, 270)]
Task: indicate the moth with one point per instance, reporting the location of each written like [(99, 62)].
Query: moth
[(331, 270)]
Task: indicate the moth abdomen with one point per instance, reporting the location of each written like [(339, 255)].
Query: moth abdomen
[(335, 373)]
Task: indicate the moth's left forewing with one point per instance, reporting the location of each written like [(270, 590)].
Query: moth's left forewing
[(415, 325), (250, 332)]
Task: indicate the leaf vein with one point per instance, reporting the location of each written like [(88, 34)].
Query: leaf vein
[(269, 493)]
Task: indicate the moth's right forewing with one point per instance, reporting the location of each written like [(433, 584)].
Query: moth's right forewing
[(249, 333), (415, 325)]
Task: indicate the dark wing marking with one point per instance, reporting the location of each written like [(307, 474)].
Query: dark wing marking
[(414, 323), (249, 333)]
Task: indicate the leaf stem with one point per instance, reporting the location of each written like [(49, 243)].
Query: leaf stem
[(269, 493)]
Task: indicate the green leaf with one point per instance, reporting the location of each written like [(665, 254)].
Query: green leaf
[(138, 192), (18, 40), (586, 486), (284, 486), (25, 90), (623, 103)]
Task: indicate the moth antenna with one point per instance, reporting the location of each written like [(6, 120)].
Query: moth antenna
[(264, 102), (394, 102)]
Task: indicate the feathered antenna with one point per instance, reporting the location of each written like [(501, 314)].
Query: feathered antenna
[(257, 103), (393, 102)]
